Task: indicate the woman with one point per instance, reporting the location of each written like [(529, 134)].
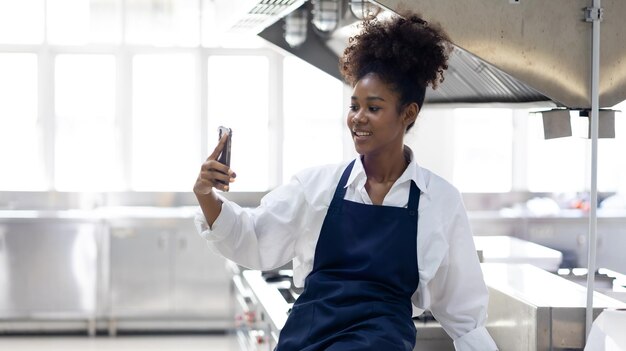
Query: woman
[(369, 237)]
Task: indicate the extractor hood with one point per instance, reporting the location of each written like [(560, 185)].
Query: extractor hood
[(505, 50), (249, 16), (545, 44)]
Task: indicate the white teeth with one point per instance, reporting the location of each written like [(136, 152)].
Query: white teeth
[(362, 133)]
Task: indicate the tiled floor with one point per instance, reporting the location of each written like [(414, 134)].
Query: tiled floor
[(119, 343)]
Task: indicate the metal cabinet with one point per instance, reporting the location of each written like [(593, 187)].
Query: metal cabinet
[(163, 268), (48, 268), (201, 280), (139, 268), (569, 235), (611, 244)]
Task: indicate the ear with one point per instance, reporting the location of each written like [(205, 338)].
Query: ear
[(410, 113)]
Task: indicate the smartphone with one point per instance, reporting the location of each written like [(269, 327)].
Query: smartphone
[(224, 157)]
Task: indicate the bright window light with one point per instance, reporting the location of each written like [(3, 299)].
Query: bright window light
[(483, 149), (84, 21), (21, 22), (85, 149), (554, 165), (165, 124), (239, 99), (20, 141), (313, 117), (611, 160), (163, 22)]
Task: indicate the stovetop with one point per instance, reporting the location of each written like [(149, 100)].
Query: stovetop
[(282, 280)]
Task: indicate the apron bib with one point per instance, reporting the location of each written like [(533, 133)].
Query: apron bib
[(358, 294)]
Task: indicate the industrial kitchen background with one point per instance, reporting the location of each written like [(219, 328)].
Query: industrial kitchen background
[(108, 107)]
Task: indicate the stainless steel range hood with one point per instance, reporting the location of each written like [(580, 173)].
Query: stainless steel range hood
[(510, 50), (545, 44)]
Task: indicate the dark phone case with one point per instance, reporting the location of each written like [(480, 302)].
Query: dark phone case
[(224, 156)]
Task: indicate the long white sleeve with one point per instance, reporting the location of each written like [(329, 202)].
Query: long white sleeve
[(459, 294), (261, 238)]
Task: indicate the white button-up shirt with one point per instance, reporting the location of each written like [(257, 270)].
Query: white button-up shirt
[(287, 225)]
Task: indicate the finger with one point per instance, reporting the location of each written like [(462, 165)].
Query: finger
[(216, 176), (214, 165), (219, 177), (220, 146)]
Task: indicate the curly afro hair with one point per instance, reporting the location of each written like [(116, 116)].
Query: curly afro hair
[(406, 52)]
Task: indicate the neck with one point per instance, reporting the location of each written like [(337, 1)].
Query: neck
[(385, 168)]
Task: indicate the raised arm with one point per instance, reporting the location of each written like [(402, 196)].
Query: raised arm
[(213, 174)]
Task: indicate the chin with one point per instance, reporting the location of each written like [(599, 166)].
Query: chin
[(360, 150)]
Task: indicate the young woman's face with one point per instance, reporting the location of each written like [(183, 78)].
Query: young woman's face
[(375, 124)]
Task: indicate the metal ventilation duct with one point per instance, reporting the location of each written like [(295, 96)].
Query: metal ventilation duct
[(544, 44), (251, 16), (468, 79)]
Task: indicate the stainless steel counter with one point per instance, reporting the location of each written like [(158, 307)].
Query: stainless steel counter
[(529, 310), (508, 249), (565, 231), (533, 310)]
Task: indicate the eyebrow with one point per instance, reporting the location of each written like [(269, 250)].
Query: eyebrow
[(369, 98)]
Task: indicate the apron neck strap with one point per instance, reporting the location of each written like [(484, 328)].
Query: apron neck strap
[(414, 197), (340, 192)]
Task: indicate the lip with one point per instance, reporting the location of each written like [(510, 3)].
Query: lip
[(359, 139), (355, 131)]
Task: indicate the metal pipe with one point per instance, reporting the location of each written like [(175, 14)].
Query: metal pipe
[(593, 220)]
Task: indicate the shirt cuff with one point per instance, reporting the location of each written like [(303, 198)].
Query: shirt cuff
[(222, 225), (476, 340)]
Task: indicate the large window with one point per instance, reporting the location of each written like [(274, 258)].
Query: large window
[(470, 147), (85, 146), (77, 22), (611, 160), (118, 95), (564, 164), (238, 97), (483, 149), (165, 127), (21, 22), (163, 23), (20, 141), (554, 165), (313, 117)]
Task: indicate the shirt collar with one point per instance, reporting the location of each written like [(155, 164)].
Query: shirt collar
[(412, 172)]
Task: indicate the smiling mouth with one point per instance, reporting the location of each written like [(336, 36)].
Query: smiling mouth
[(361, 133)]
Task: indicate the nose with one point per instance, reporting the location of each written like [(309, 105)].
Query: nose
[(359, 117)]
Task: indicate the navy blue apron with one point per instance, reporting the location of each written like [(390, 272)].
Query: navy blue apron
[(358, 295)]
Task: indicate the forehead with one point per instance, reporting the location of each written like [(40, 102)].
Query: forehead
[(372, 86)]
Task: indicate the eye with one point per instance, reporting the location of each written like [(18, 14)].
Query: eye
[(374, 108), (354, 108)]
